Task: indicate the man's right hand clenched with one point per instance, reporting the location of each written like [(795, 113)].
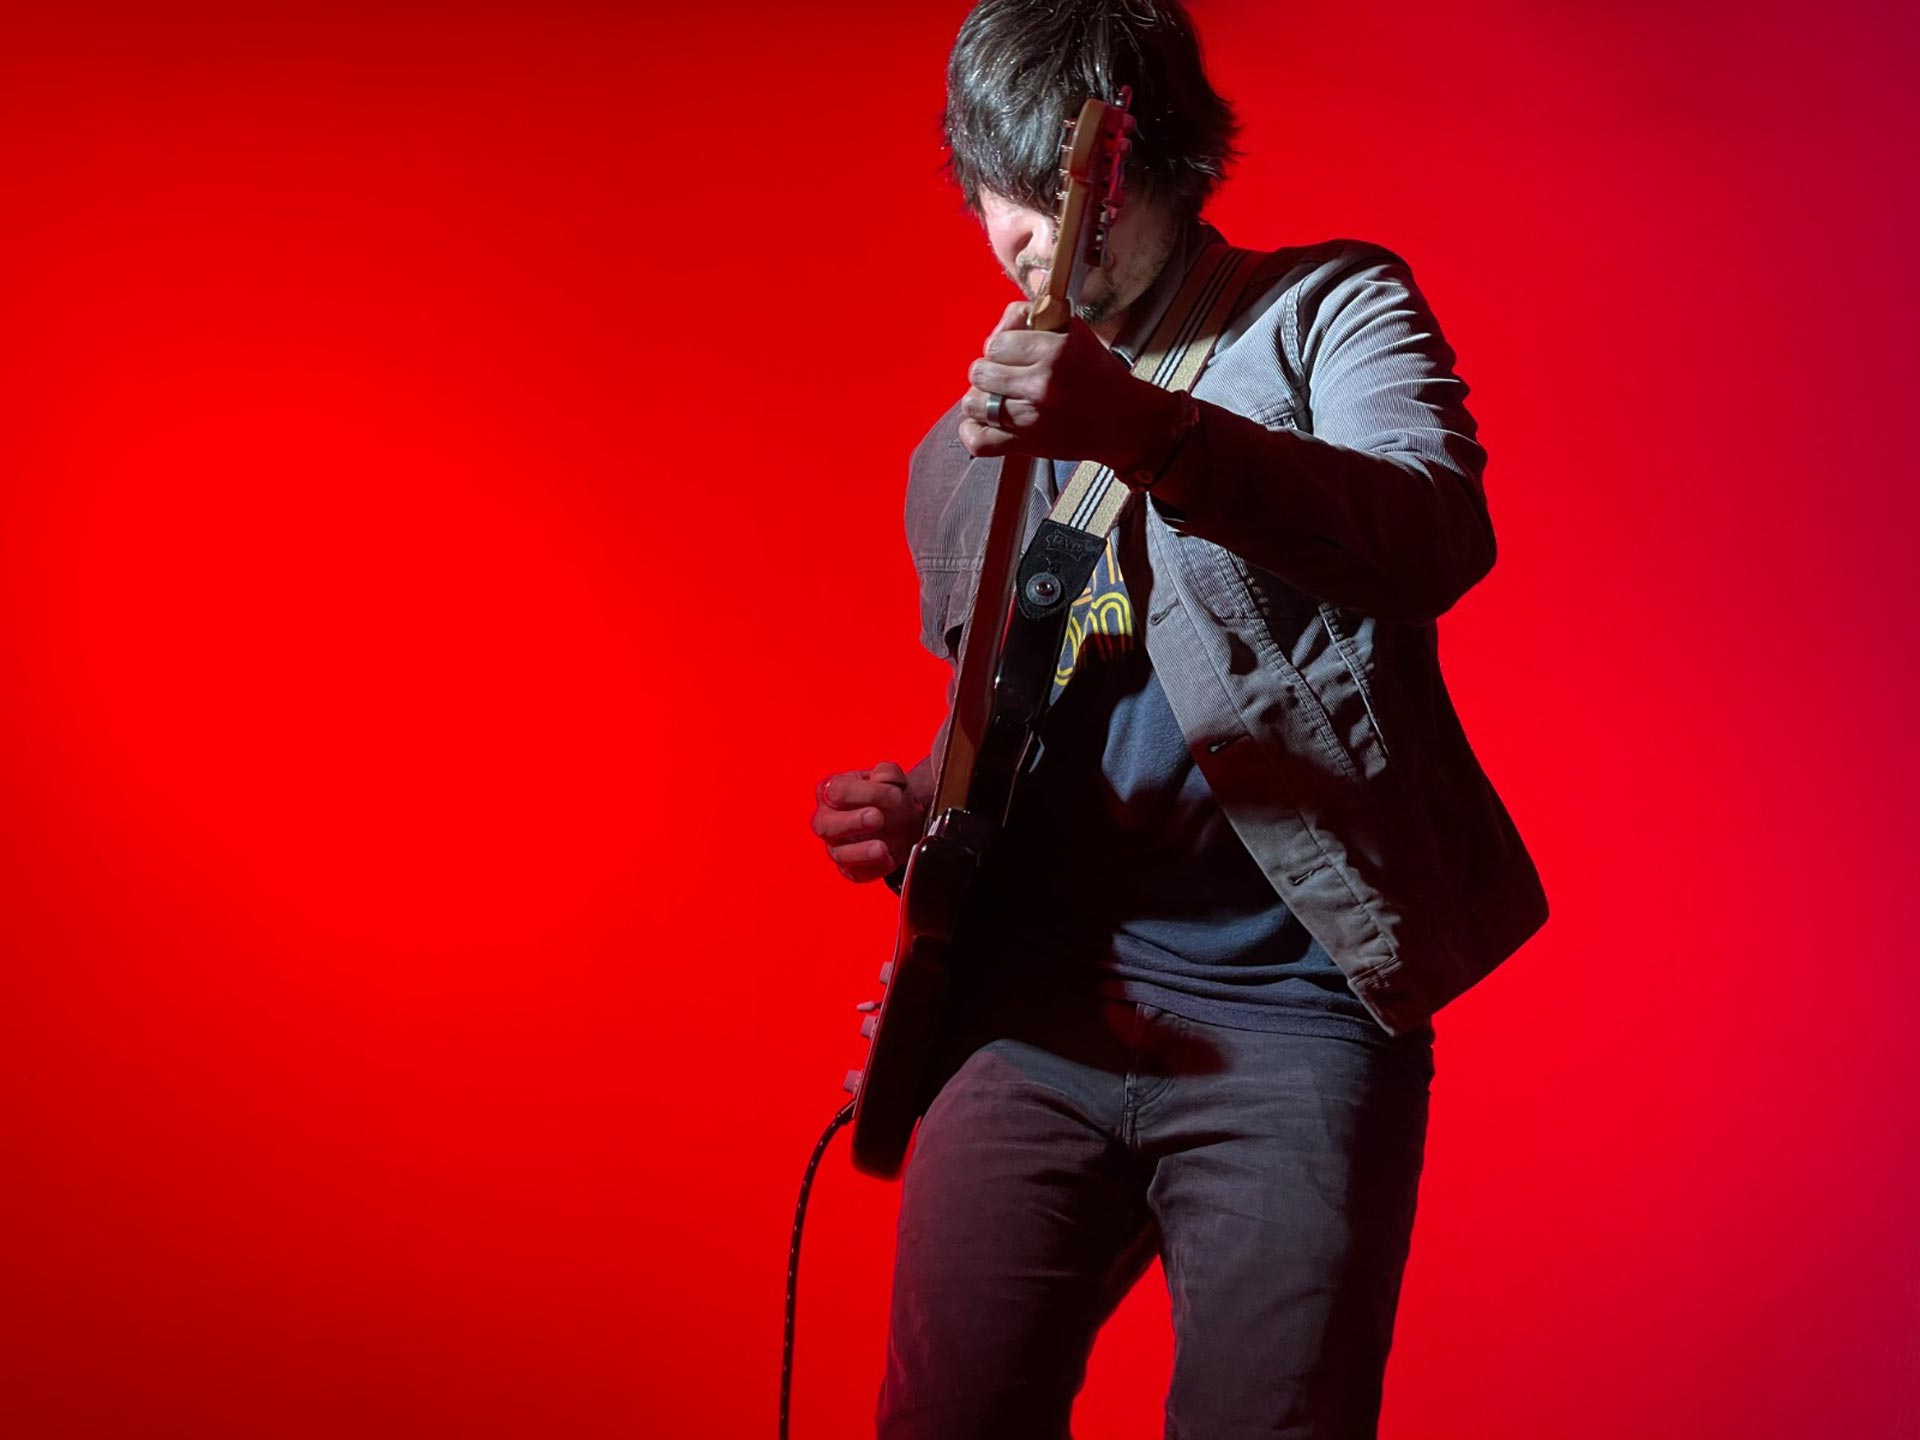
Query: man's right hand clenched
[(867, 820)]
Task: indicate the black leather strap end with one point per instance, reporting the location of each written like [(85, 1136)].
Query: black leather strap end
[(1055, 569)]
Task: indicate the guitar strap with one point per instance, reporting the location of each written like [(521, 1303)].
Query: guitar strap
[(1058, 562)]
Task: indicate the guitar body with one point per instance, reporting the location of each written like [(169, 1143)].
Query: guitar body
[(892, 1091), (1007, 661)]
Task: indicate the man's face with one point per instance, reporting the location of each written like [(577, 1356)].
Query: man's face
[(1143, 236)]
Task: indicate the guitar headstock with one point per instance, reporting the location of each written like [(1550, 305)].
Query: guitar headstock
[(1093, 156)]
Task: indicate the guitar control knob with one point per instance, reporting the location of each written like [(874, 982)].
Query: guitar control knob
[(869, 1024), (852, 1083)]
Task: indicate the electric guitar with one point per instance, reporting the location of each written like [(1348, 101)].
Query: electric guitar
[(1007, 657)]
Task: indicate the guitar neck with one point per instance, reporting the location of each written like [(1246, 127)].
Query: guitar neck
[(1089, 199), (986, 633)]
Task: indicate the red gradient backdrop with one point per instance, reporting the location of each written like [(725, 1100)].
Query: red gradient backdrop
[(449, 519)]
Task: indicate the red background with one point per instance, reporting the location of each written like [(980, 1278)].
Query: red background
[(450, 465)]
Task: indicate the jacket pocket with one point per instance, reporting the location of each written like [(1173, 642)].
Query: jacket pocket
[(946, 600), (1352, 637), (1275, 415), (1331, 652)]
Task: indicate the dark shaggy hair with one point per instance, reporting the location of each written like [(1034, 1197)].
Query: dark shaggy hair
[(1021, 67)]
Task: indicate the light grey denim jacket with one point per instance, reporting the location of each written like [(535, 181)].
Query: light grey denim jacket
[(1333, 509)]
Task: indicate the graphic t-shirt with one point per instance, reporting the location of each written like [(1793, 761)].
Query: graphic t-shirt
[(1118, 868)]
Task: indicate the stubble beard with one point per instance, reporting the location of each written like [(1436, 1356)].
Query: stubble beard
[(1104, 290), (1117, 291)]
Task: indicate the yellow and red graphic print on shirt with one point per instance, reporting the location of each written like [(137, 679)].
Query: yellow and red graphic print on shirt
[(1101, 619)]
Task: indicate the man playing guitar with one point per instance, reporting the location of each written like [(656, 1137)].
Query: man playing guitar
[(1253, 854)]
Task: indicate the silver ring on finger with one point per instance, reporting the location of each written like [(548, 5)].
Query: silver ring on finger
[(997, 411)]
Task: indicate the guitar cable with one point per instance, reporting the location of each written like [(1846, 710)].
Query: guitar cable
[(844, 1115)]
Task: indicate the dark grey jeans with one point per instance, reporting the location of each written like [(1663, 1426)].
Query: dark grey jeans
[(1274, 1174)]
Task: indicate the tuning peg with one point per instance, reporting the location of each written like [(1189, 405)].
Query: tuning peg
[(886, 973), (867, 1007), (852, 1083), (869, 1024)]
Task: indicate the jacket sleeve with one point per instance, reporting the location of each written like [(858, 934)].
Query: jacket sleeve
[(1376, 503)]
